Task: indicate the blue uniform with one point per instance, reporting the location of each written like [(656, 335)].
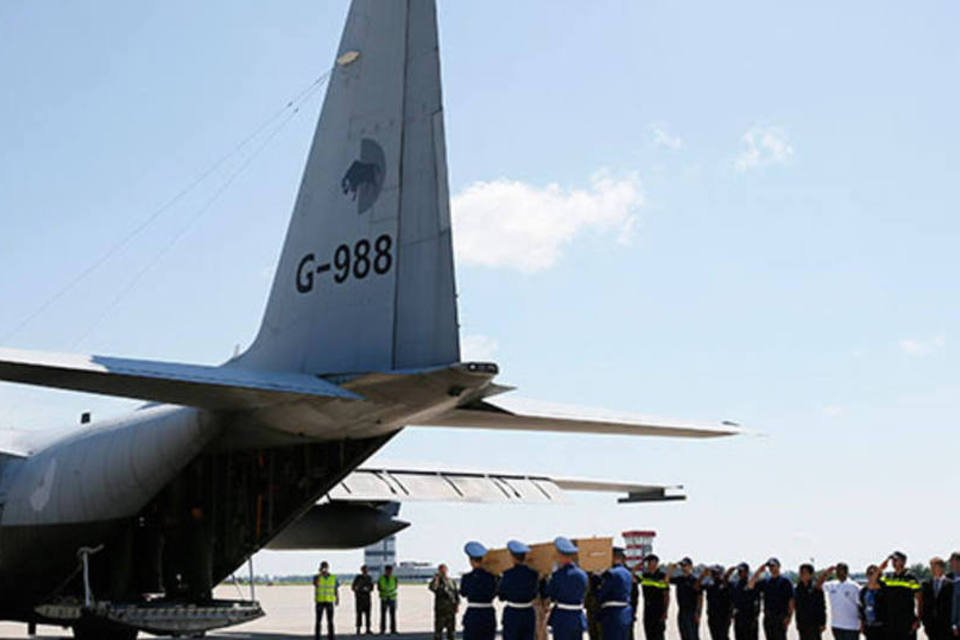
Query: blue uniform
[(479, 587), (616, 614), (519, 587), (567, 588)]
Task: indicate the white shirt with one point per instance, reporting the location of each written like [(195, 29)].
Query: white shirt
[(844, 604)]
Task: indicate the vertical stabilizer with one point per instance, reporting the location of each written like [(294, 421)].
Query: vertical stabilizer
[(365, 280)]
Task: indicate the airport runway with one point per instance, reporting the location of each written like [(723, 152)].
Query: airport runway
[(290, 617)]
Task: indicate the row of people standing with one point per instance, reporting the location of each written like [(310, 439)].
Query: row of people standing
[(888, 607), (326, 589)]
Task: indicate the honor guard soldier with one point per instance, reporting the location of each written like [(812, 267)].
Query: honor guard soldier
[(901, 593), (567, 588), (519, 587), (656, 598), (616, 614), (479, 587)]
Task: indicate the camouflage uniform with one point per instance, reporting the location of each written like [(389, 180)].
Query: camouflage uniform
[(446, 599)]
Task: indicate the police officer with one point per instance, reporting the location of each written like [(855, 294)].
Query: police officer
[(479, 587), (656, 598), (715, 583), (811, 606), (778, 601), (689, 600), (901, 593), (746, 605), (519, 588), (446, 600), (327, 596), (616, 614), (567, 588)]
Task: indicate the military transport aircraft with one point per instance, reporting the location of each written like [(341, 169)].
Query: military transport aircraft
[(128, 524)]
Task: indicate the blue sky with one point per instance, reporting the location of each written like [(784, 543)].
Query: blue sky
[(757, 218)]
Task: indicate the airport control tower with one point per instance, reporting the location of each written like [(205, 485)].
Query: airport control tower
[(379, 554), (639, 544)]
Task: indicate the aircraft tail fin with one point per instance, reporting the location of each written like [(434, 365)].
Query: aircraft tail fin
[(365, 280)]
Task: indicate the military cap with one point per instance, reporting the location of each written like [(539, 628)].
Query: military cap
[(565, 546), (474, 550), (517, 548), (899, 555), (773, 562)]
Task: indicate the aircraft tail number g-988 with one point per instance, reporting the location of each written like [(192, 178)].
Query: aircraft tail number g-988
[(357, 261)]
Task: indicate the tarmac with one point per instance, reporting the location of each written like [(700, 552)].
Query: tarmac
[(289, 616)]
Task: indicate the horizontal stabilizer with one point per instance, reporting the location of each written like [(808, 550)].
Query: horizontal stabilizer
[(415, 485), (190, 385), (518, 415)]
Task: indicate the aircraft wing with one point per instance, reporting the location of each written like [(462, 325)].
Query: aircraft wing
[(200, 386), (370, 484), (521, 415)]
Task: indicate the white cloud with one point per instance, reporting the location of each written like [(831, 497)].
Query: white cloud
[(512, 224), (916, 347), (478, 348), (833, 411), (763, 146), (662, 138)]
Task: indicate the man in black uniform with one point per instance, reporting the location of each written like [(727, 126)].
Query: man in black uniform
[(746, 605), (716, 584), (656, 598), (778, 602), (811, 605), (689, 600), (937, 602), (362, 587), (901, 599)]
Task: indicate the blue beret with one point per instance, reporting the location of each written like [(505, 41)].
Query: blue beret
[(564, 546), (474, 550), (517, 548)]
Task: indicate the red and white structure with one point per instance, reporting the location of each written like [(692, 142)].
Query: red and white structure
[(638, 545)]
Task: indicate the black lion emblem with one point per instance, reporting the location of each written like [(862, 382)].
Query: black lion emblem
[(364, 177), (359, 174)]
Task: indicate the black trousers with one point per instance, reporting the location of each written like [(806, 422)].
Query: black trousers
[(874, 633), (773, 627), (689, 629), (653, 627), (809, 633), (363, 614), (746, 628), (719, 627), (388, 607), (324, 608)]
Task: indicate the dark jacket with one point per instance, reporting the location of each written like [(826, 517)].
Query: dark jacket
[(879, 607), (937, 608), (362, 588), (811, 607)]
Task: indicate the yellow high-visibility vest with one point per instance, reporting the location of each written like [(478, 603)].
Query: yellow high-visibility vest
[(325, 588), (387, 586)]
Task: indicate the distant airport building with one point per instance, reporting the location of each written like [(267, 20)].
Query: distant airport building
[(380, 554), (638, 545)]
